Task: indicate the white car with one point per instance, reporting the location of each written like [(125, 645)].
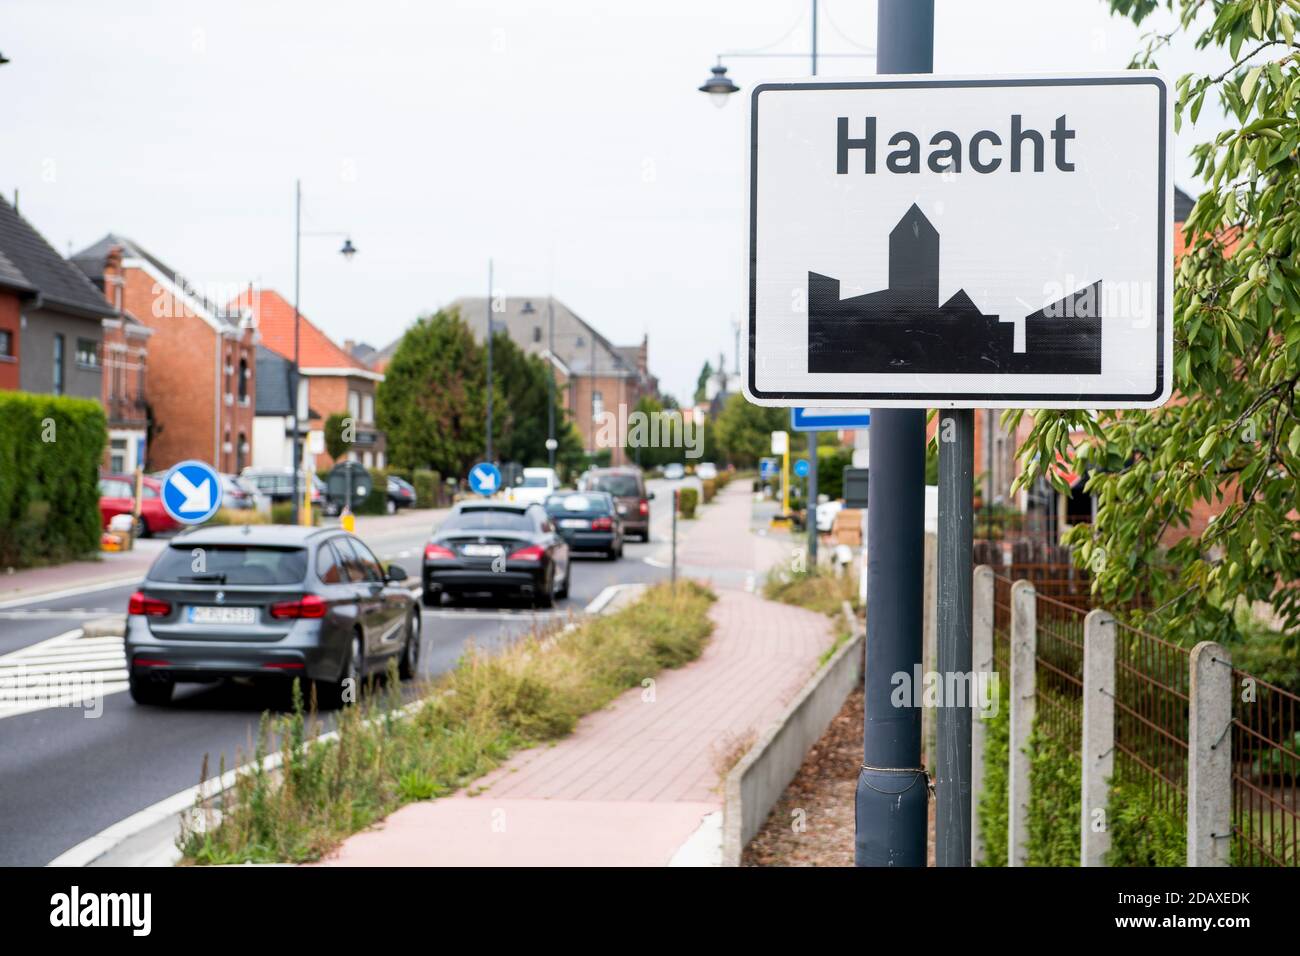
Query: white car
[(537, 485), (706, 470), (674, 471)]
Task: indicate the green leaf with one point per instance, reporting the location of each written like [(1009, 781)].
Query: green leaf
[(1206, 446), (1294, 441), (1248, 84)]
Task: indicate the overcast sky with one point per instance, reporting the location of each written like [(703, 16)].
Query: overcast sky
[(566, 139)]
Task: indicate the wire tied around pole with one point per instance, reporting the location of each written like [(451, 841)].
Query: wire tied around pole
[(914, 771)]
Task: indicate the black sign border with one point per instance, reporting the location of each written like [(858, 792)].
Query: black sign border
[(929, 399)]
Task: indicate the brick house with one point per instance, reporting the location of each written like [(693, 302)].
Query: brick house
[(593, 376), (330, 380), (50, 315), (201, 386), (125, 363)]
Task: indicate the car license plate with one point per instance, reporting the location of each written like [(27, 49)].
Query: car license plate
[(223, 615), (622, 509), (481, 550), (574, 523)]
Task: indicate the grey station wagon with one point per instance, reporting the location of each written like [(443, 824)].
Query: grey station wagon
[(269, 601)]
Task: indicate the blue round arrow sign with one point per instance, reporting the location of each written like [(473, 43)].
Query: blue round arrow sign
[(191, 492), (485, 478), (801, 467)]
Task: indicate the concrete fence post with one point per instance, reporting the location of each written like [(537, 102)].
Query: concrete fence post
[(1209, 757), (1024, 651), (1098, 748), (982, 662)]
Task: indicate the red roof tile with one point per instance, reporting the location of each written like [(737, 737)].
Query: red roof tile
[(275, 323)]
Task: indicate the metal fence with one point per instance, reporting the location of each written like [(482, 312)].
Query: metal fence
[(1059, 665), (1265, 766), (1152, 699), (1152, 696)]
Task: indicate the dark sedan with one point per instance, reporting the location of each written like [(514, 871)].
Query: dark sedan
[(588, 521), (269, 601), (497, 548)]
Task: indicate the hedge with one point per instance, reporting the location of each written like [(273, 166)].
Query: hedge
[(993, 806), (1055, 775), (50, 452), (710, 489), (428, 488), (687, 499)]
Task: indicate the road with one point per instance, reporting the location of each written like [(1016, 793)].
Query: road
[(65, 776)]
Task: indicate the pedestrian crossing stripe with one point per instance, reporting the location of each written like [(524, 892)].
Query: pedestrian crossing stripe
[(68, 670)]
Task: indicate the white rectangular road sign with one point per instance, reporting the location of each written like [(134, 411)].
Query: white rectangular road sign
[(961, 242)]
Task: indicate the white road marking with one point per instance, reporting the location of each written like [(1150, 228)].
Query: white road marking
[(67, 670)]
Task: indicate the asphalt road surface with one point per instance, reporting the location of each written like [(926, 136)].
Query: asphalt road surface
[(65, 776)]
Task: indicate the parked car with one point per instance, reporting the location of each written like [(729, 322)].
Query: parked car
[(401, 494), (588, 521), (705, 470), (271, 602), (631, 500), (536, 485), (499, 548), (235, 496), (277, 484), (674, 471), (117, 497)]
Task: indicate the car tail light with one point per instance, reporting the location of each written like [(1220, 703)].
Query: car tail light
[(151, 662), (644, 507), (602, 524), (149, 607), (533, 552), (309, 605), (436, 552)]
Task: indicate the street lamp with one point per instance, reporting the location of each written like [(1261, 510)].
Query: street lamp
[(720, 87), (348, 251)]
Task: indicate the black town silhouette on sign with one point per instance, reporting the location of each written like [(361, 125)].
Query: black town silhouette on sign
[(904, 328)]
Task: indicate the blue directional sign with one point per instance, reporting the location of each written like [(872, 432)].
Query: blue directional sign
[(191, 492), (828, 419), (485, 479), (768, 468), (801, 467)]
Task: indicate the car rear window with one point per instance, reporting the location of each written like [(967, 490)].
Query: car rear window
[(578, 504), (229, 564), (621, 486), (488, 519), (534, 482)]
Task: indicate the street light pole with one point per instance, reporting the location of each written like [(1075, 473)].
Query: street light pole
[(293, 385), (488, 456), (814, 37), (892, 790), (550, 382)]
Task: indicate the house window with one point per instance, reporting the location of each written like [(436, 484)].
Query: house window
[(58, 364), (537, 333), (243, 381), (117, 456), (6, 344), (367, 409), (88, 353), (597, 404), (354, 406), (241, 452)]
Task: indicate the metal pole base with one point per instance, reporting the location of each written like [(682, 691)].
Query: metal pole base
[(891, 821)]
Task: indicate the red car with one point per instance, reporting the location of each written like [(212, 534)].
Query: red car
[(117, 497)]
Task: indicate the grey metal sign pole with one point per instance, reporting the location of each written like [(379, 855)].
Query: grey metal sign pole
[(956, 435), (892, 789), (810, 507)]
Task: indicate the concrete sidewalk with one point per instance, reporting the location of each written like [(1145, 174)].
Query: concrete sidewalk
[(638, 783)]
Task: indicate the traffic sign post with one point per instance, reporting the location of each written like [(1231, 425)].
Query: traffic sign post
[(191, 492), (814, 420), (781, 446), (485, 479)]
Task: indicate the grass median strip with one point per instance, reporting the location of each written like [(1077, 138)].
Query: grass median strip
[(472, 719)]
